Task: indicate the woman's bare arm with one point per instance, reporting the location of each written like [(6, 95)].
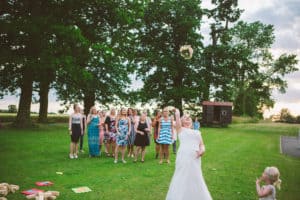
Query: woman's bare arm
[(178, 121), (117, 123), (88, 120), (129, 125), (201, 150), (70, 124), (158, 130), (81, 125)]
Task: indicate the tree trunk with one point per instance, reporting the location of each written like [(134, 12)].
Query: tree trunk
[(88, 101), (206, 91), (23, 116), (243, 94), (178, 104), (178, 85), (43, 93)]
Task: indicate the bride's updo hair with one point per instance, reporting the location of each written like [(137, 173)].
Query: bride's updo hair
[(273, 175), (186, 119)]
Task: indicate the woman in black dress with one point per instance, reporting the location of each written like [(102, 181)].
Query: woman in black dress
[(141, 139)]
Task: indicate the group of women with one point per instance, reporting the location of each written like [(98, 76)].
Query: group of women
[(120, 130), (126, 128)]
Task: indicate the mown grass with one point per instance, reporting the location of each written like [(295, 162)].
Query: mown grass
[(235, 157)]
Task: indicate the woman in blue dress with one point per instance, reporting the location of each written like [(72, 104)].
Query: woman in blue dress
[(130, 147), (123, 125), (93, 121), (165, 135)]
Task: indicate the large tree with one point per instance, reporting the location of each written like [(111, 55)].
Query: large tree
[(103, 76), (168, 78), (31, 53), (223, 14), (24, 31), (252, 71)]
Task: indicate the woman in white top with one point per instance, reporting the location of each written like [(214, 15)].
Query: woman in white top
[(187, 181), (75, 130)]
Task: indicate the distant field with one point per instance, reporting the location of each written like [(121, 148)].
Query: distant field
[(59, 118), (235, 157), (52, 118)]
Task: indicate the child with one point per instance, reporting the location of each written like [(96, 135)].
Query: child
[(271, 177), (76, 130)]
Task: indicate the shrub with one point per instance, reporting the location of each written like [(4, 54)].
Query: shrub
[(12, 109)]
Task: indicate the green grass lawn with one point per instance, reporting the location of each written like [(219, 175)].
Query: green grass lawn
[(234, 157)]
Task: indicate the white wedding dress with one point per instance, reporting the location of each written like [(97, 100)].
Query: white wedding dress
[(187, 182)]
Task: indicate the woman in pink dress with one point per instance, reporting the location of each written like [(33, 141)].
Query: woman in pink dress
[(101, 127)]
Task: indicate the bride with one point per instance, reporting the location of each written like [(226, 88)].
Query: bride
[(187, 182)]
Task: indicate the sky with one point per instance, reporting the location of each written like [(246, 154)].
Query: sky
[(283, 14)]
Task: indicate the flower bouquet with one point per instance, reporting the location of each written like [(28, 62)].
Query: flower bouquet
[(186, 51)]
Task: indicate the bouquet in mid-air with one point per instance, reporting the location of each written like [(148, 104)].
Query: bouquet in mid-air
[(186, 51)]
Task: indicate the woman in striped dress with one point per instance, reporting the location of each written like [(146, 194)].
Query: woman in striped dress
[(165, 135), (93, 121)]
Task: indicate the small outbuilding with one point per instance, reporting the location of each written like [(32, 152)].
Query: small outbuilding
[(216, 113)]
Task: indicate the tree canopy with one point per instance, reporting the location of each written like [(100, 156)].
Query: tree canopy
[(87, 50)]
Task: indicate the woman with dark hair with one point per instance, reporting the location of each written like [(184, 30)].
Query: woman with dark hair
[(155, 124), (141, 140), (111, 132)]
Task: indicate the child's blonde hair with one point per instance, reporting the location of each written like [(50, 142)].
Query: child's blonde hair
[(273, 175)]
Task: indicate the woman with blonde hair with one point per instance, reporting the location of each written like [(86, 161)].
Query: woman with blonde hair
[(187, 181), (76, 130), (93, 122), (165, 135), (271, 177)]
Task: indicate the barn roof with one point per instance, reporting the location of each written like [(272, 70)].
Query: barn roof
[(214, 103)]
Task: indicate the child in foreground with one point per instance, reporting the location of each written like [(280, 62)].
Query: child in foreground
[(271, 178)]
